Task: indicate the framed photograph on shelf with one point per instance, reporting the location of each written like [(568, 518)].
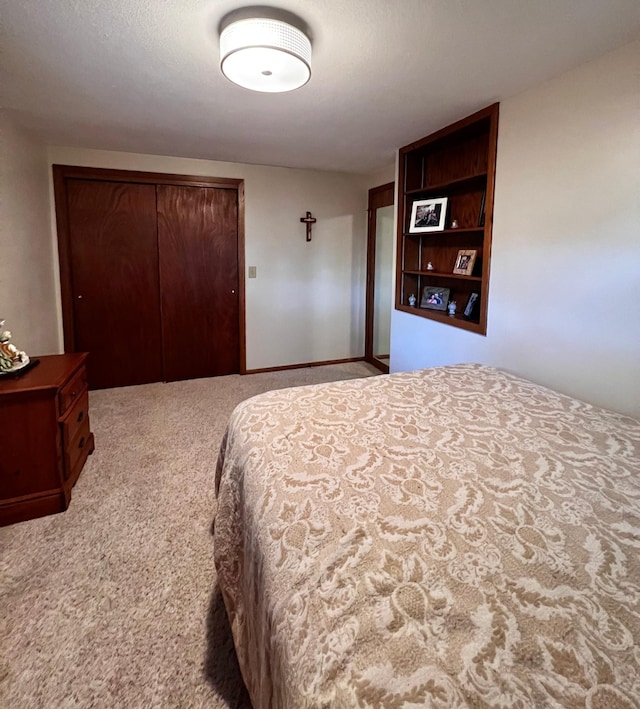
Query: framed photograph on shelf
[(435, 298), (464, 262), (472, 304), (428, 215)]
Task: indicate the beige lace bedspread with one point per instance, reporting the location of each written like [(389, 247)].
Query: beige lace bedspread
[(443, 538)]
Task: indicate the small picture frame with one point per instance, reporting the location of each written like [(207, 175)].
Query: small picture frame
[(435, 298), (428, 215), (464, 262), (470, 307)]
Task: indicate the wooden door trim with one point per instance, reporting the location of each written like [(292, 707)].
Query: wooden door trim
[(64, 257), (241, 279), (154, 178), (62, 173), (382, 196)]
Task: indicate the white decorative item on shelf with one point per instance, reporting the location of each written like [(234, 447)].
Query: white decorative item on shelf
[(454, 224), (412, 300), (452, 307), (429, 266)]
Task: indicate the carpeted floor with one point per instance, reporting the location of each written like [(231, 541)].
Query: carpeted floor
[(114, 603)]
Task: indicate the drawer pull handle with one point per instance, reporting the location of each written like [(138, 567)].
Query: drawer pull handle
[(82, 442), (80, 416)]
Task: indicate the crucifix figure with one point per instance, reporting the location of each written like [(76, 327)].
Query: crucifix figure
[(308, 220)]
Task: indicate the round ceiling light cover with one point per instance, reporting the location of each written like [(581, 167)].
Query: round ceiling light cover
[(265, 55)]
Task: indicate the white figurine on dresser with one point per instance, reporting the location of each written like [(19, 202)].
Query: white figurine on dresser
[(11, 358)]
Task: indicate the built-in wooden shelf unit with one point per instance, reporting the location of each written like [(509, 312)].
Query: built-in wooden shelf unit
[(457, 162)]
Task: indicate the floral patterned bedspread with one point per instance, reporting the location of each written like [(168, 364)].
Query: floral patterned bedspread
[(449, 537)]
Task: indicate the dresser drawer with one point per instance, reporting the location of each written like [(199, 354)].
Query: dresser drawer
[(72, 390), (75, 418), (77, 449)]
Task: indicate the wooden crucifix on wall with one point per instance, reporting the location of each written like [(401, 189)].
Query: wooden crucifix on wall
[(308, 220)]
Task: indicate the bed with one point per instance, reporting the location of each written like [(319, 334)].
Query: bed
[(450, 537)]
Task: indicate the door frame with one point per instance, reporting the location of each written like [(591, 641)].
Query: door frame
[(62, 173), (382, 196)]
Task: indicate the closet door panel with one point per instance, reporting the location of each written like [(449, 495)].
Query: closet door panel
[(198, 252), (114, 264)]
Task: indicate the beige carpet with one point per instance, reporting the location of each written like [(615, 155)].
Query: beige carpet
[(114, 602)]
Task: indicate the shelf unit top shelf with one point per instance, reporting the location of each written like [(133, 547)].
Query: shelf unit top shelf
[(445, 185), (440, 274), (461, 230)]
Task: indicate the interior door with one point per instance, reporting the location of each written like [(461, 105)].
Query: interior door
[(198, 252), (114, 266), (380, 243)]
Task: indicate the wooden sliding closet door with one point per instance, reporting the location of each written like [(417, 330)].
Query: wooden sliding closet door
[(198, 253), (114, 278)]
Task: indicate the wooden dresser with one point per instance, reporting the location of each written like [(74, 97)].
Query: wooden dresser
[(45, 437)]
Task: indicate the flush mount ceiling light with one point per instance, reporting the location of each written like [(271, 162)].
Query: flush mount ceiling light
[(262, 54)]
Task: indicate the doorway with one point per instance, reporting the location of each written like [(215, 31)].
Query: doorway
[(152, 276), (380, 241)]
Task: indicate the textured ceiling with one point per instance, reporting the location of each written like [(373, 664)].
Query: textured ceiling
[(143, 76)]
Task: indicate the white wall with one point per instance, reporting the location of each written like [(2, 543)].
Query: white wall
[(307, 302), (380, 177), (27, 291), (564, 301)]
